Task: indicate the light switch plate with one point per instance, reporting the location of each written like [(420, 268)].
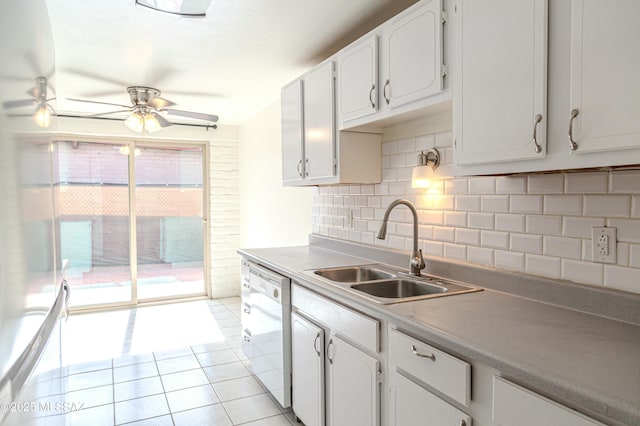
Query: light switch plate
[(604, 244)]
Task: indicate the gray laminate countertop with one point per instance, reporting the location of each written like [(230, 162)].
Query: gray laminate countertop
[(587, 362)]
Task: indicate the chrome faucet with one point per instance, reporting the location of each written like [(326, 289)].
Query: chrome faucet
[(417, 262)]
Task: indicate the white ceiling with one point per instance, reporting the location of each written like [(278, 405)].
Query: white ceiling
[(231, 63)]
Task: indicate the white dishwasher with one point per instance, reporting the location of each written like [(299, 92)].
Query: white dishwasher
[(268, 330)]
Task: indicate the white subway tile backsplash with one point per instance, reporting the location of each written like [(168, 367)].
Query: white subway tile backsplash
[(563, 204), (455, 219), (468, 203), (526, 204), (621, 278), (481, 220), (510, 222), (546, 184), (542, 265), (562, 247), (607, 205), (479, 255), (511, 185), (526, 243), (468, 236), (546, 225), (495, 239), (482, 185), (495, 203), (442, 233), (538, 224), (425, 142), (586, 183), (625, 182), (582, 272), (509, 260), (579, 227), (455, 251)]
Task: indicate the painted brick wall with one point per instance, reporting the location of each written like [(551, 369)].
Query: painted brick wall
[(224, 217), (538, 224)]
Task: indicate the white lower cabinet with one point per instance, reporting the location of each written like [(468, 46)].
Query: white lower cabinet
[(412, 361), (329, 368), (411, 404), (308, 370), (354, 389), (515, 405)]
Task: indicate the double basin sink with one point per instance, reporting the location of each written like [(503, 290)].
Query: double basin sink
[(384, 285)]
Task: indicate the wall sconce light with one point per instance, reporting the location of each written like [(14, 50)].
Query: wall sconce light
[(423, 173)]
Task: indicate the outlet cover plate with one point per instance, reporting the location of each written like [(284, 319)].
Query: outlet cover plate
[(604, 244)]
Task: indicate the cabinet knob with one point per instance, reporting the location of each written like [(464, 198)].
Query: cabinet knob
[(537, 119), (572, 144)]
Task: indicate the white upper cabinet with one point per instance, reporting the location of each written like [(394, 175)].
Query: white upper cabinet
[(292, 133), (319, 122), (358, 79), (605, 71), (412, 66), (500, 97), (396, 72), (593, 86)]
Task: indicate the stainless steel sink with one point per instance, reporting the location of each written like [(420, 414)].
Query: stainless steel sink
[(405, 290), (354, 274)]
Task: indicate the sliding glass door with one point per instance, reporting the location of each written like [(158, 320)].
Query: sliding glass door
[(169, 221), (131, 220)]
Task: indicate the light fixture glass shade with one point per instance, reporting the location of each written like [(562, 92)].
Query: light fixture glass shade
[(151, 123), (421, 176), (42, 116), (178, 7), (135, 122)]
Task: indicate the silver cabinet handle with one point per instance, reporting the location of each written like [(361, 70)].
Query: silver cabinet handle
[(384, 92), (328, 348), (247, 310), (463, 423), (373, 104), (572, 144), (315, 343), (432, 357), (538, 119), (246, 338), (306, 167), (298, 168)]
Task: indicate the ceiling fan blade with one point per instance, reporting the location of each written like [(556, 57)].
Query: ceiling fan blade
[(160, 103), (107, 113), (161, 120), (196, 115), (17, 104), (96, 102)]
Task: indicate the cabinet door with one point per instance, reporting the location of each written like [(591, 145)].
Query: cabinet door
[(413, 55), (292, 132), (411, 405), (501, 84), (357, 79), (605, 66), (319, 122), (308, 370), (353, 392)]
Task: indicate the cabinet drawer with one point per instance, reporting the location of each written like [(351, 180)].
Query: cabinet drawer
[(438, 369), (513, 404), (357, 327)]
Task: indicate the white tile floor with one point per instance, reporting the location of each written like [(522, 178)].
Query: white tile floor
[(177, 364)]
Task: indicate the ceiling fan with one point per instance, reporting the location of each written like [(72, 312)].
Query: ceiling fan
[(146, 113), (42, 114)]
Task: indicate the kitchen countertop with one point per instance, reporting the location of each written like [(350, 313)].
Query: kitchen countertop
[(582, 360)]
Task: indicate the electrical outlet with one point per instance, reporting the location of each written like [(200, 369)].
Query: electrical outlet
[(604, 243)]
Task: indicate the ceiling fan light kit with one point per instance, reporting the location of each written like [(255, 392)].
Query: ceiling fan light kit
[(42, 113), (146, 112)]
